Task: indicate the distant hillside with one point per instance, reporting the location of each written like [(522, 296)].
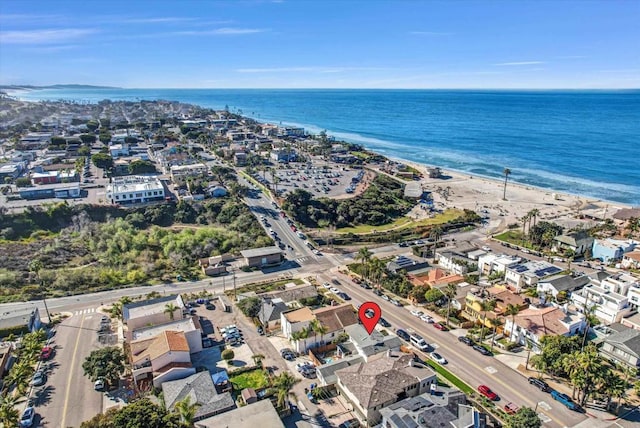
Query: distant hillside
[(68, 86)]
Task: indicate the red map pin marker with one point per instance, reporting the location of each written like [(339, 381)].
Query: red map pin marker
[(368, 320)]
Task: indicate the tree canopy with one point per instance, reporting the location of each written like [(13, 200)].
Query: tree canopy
[(525, 417), (250, 306), (102, 160), (105, 363)]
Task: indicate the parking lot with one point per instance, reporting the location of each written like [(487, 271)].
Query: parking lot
[(322, 179)]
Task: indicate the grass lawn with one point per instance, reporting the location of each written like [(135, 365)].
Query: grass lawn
[(450, 377), (513, 236), (255, 379), (266, 286), (403, 223)]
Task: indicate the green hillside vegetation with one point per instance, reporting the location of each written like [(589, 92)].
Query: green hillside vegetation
[(64, 250), (380, 204)]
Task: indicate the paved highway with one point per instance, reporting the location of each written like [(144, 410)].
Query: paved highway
[(468, 364)]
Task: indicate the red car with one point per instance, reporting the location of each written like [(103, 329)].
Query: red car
[(293, 228), (46, 353), (487, 392), (440, 326)]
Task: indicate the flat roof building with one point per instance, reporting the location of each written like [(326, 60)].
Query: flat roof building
[(264, 256), (135, 189)]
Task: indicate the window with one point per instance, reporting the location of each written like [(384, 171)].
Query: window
[(139, 195), (155, 192), (123, 197), (117, 197)]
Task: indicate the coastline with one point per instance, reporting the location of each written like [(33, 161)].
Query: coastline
[(478, 193)]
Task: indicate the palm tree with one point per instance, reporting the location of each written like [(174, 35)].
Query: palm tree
[(257, 359), (283, 384), (116, 308), (486, 305), (534, 214), (588, 312), (378, 269), (9, 415), (318, 329), (170, 308), (450, 292), (303, 334), (614, 386), (186, 410), (364, 255), (436, 233), (497, 322), (506, 173), (511, 310)]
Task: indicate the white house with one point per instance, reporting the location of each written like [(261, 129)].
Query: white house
[(490, 263), (119, 150), (161, 358), (333, 318), (631, 260), (562, 282), (608, 306), (152, 312), (528, 274), (454, 262), (190, 326)]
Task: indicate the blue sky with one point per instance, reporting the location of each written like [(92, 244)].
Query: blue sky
[(322, 44)]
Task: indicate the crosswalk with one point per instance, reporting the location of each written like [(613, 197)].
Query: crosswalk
[(85, 311), (303, 260)]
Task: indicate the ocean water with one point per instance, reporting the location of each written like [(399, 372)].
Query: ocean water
[(580, 142)]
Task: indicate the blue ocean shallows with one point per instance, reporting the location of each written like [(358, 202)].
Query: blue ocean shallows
[(581, 142)]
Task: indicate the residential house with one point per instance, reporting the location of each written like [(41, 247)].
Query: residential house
[(631, 260), (608, 306), (264, 256), (10, 170), (47, 191), (215, 265), (161, 358), (201, 391), (20, 321), (270, 312), (561, 283), (119, 150), (500, 295), (5, 359), (577, 242), (623, 347), (436, 278), (532, 324), (260, 414), (334, 318), (293, 293), (453, 261), (446, 408), (283, 155), (188, 170), (369, 387), (609, 249), (239, 159), (491, 263), (152, 312), (406, 264), (190, 326), (368, 346), (525, 275), (631, 321)]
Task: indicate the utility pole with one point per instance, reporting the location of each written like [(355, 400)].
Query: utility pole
[(47, 310), (223, 285), (235, 299)]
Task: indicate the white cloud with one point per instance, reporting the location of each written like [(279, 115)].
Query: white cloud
[(157, 20), (621, 70), (35, 37), (51, 49), (519, 63), (27, 18)]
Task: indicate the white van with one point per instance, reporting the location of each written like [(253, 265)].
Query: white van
[(417, 341)]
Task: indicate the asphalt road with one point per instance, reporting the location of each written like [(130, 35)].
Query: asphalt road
[(468, 364), (68, 398)]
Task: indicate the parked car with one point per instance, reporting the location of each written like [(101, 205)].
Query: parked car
[(260, 331), (487, 392), (383, 322), (344, 296), (99, 385), (438, 358), (440, 326), (207, 342), (466, 340), (47, 353), (378, 292), (39, 378), (511, 409), (326, 285), (351, 423), (356, 280), (427, 319), (288, 354), (26, 420), (564, 399), (417, 313), (210, 306), (486, 248), (396, 302), (539, 383), (403, 334), (385, 297), (365, 286), (482, 349)]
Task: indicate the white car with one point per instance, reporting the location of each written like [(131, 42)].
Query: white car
[(326, 285), (427, 319), (417, 313), (99, 385), (438, 358), (486, 248), (334, 290), (26, 420)]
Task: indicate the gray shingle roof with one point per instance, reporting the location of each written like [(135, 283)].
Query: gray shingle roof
[(628, 339), (200, 388)]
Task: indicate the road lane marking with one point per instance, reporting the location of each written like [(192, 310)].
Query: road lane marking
[(73, 364)]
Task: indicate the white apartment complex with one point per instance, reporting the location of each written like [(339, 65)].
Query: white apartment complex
[(135, 189)]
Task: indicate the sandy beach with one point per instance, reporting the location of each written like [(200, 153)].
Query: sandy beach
[(465, 191)]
